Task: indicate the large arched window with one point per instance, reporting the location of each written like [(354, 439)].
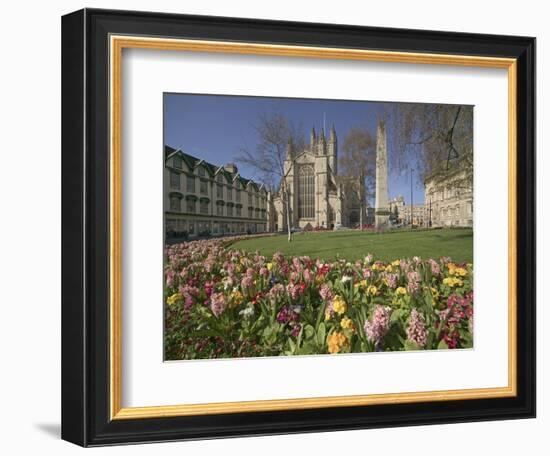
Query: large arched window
[(306, 192)]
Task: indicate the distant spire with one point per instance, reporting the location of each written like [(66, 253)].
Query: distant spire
[(290, 148), (332, 133), (313, 136)]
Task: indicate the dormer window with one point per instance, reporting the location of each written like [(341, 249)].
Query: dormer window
[(178, 162), (201, 172)]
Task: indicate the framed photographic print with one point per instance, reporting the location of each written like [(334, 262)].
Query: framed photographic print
[(278, 227)]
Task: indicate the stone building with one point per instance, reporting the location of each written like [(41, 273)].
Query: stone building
[(403, 210), (449, 199), (419, 215), (203, 198), (316, 194), (396, 207)]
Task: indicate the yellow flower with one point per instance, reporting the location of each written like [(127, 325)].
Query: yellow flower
[(435, 293), (361, 284), (461, 272), (339, 305), (346, 323), (172, 299), (396, 263), (372, 290), (269, 266), (452, 281), (328, 316), (451, 267), (237, 297), (401, 291), (336, 342), (389, 268)]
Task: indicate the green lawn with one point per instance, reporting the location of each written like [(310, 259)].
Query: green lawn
[(454, 243)]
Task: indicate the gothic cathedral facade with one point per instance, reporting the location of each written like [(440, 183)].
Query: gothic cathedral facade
[(313, 189)]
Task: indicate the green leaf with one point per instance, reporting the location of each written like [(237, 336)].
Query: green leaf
[(292, 345), (442, 345), (411, 346), (320, 315), (321, 333), (309, 331), (307, 349), (430, 340)]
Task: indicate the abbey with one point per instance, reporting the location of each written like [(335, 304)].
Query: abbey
[(318, 197)]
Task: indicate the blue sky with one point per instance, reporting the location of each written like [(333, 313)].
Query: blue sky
[(216, 127)]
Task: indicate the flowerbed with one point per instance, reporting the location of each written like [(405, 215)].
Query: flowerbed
[(225, 303)]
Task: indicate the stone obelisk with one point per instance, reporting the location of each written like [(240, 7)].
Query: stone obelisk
[(381, 206)]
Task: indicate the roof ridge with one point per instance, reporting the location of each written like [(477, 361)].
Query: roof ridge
[(213, 167)]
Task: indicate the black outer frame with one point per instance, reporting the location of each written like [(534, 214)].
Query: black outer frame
[(85, 227)]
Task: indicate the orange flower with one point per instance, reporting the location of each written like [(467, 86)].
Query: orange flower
[(336, 342)]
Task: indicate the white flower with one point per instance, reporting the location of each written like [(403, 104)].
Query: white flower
[(247, 311), (346, 278), (227, 283)]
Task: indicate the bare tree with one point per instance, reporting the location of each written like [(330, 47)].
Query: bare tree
[(357, 165), (433, 138), (276, 134)]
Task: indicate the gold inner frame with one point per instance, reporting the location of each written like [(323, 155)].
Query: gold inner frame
[(117, 44)]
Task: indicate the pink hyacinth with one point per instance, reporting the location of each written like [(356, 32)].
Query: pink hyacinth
[(247, 282), (170, 278), (416, 330), (188, 292), (295, 290), (391, 280), (325, 292), (413, 279), (208, 288), (277, 290), (297, 264), (380, 324), (308, 276), (436, 270), (217, 303)]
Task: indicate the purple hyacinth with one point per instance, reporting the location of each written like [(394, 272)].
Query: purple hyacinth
[(286, 315)]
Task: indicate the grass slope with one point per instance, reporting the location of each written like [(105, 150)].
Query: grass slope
[(351, 245)]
